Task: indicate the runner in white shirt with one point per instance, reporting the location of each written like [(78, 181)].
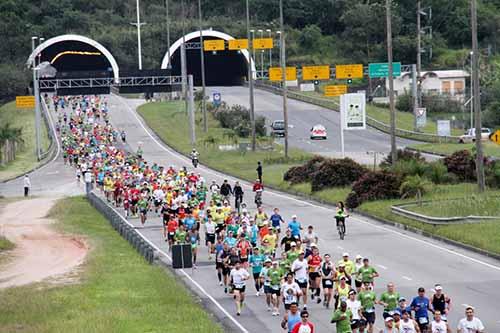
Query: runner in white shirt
[(407, 324), (158, 196), (470, 324), (355, 306), (290, 291), (210, 237), (299, 268), (239, 275), (438, 325)]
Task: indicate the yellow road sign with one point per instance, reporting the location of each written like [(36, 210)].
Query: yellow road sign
[(315, 73), (238, 44), (349, 71), (495, 137), (214, 45), (262, 43), (275, 74), (25, 102), (337, 90)]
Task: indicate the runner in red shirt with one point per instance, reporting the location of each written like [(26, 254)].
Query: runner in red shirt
[(314, 262), (172, 226)]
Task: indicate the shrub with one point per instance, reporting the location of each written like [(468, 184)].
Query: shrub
[(437, 173), (462, 164), (441, 104), (492, 173), (237, 118), (303, 173), (336, 172), (405, 103), (410, 167), (402, 155), (376, 185), (414, 186)]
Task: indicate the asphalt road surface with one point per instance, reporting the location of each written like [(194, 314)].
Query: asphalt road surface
[(408, 260), (303, 116)]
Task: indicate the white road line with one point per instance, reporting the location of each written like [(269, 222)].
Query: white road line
[(382, 266), (302, 201), (407, 278), (53, 129), (243, 329), (467, 305), (340, 247)]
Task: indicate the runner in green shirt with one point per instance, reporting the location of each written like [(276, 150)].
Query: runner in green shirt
[(389, 299), (275, 275), (368, 299), (342, 318), (367, 272), (180, 235)]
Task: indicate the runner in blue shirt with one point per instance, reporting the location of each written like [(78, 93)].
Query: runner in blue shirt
[(276, 219), (189, 222), (256, 261), (295, 227), (420, 305)]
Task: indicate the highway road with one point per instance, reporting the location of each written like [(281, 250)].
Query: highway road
[(408, 260), (302, 116)]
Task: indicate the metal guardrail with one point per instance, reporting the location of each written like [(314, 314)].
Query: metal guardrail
[(123, 228), (334, 106), (399, 210), (50, 133)]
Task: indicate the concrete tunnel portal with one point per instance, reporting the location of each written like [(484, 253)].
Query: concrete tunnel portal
[(222, 68)]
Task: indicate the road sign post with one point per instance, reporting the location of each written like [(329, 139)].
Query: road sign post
[(311, 73), (381, 70), (421, 114), (335, 90)]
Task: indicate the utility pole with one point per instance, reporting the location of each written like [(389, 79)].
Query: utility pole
[(477, 99), (394, 154), (138, 24), (270, 50), (419, 51), (202, 57), (192, 128), (250, 77), (414, 95), (283, 76), (168, 35)]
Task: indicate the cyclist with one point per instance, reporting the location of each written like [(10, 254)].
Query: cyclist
[(258, 188), (340, 215), (238, 195), (194, 157)]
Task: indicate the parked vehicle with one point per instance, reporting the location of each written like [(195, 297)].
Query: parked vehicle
[(470, 135), (318, 132), (278, 128)]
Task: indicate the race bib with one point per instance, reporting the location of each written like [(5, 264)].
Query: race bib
[(328, 282), (423, 320), (370, 310), (171, 233), (275, 287), (302, 280), (239, 285)]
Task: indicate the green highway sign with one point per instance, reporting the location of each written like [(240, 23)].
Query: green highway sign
[(382, 69)]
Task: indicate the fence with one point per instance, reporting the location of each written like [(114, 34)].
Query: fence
[(50, 131), (125, 229), (333, 105), (8, 151)]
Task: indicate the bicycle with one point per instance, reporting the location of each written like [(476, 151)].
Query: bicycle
[(341, 227)]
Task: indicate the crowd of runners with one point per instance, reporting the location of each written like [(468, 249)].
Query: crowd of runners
[(251, 247)]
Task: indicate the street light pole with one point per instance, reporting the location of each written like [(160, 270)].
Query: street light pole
[(471, 91), (138, 24), (394, 156), (419, 52), (283, 76), (270, 51), (168, 35), (202, 57), (36, 94), (477, 99)]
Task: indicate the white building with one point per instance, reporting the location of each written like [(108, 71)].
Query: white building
[(449, 82)]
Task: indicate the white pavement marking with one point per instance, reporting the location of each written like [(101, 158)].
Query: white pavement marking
[(407, 278), (243, 329), (382, 266), (302, 201), (53, 129), (340, 247)]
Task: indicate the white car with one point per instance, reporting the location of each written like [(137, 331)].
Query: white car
[(470, 135), (318, 132)]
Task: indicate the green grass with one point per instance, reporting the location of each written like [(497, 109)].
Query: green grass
[(477, 205), (484, 235), (5, 244), (25, 157), (490, 148), (118, 292)]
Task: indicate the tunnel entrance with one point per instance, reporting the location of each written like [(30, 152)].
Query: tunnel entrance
[(222, 68)]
